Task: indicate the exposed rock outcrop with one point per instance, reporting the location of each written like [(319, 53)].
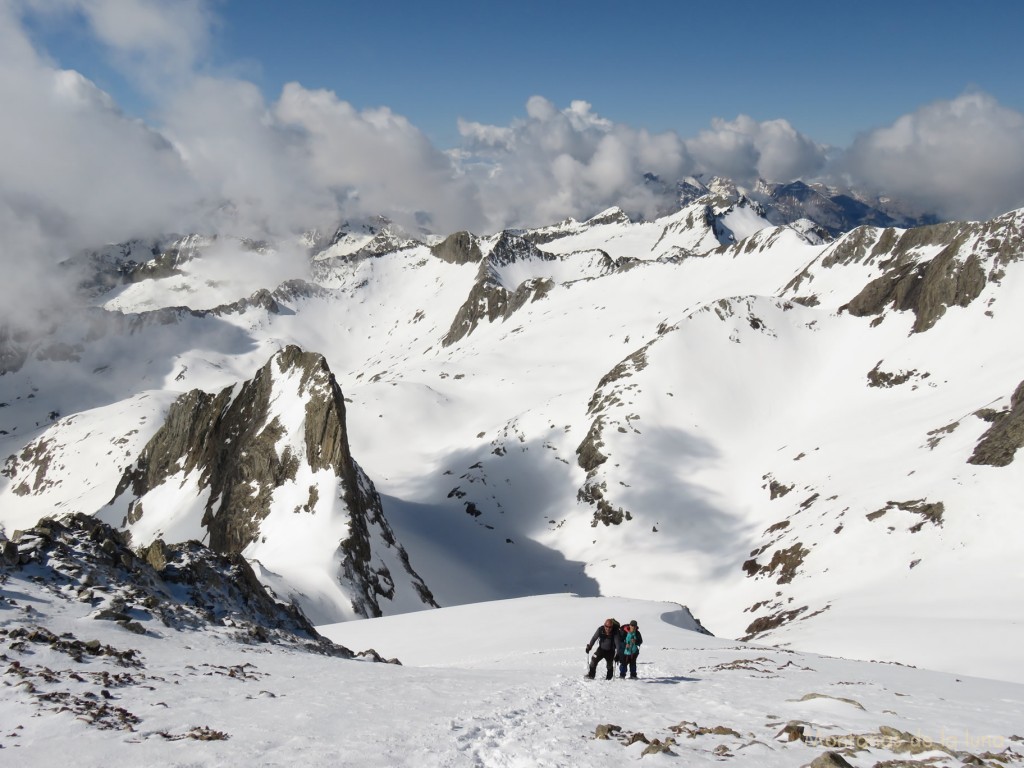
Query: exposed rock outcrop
[(926, 288), (459, 248), (925, 269), (490, 300), (276, 444), (1000, 442), (589, 453), (187, 588)]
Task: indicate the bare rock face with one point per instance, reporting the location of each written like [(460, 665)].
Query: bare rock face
[(459, 248), (488, 299), (589, 453), (927, 289), (188, 587), (1000, 442), (926, 269), (275, 445), (970, 255)]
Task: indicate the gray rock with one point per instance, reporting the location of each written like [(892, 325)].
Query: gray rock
[(229, 440), (459, 248), (829, 760), (1000, 442), (490, 300)]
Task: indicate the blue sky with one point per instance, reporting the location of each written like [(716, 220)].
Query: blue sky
[(831, 69)]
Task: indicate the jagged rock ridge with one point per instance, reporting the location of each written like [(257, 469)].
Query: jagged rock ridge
[(249, 454), (182, 586), (489, 299)]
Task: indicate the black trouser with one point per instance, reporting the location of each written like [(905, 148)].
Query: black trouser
[(608, 655)]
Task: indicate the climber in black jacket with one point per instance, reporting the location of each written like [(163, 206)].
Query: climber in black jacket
[(608, 640)]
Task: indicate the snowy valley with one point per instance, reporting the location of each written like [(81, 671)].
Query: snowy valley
[(464, 451)]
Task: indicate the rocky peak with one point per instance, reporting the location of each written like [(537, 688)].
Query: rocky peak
[(268, 449), (724, 188), (511, 248), (613, 215), (490, 299), (459, 248), (182, 586), (690, 189), (954, 276)]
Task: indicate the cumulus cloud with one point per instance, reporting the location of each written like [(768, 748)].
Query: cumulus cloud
[(376, 161), (962, 158), (154, 42), (73, 169), (567, 162), (745, 150)]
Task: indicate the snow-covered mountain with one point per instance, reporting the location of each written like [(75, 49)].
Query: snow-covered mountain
[(833, 210), (807, 440)]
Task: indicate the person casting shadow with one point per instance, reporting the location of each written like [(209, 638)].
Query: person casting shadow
[(608, 640), (631, 640)]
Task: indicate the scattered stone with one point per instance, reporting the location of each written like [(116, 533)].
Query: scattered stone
[(829, 760), (633, 738), (659, 747), (791, 732), (156, 555), (199, 733), (132, 626)]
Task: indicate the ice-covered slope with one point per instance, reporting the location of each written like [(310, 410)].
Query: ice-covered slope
[(762, 429)]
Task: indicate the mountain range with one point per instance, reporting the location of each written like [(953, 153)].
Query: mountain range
[(794, 412)]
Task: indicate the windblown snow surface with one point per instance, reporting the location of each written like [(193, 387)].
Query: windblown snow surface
[(492, 684)]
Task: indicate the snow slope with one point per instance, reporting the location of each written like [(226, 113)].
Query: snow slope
[(494, 684)]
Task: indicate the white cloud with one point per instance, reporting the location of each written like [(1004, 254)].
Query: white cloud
[(962, 158), (74, 171), (376, 160), (745, 150), (569, 162), (154, 41)]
